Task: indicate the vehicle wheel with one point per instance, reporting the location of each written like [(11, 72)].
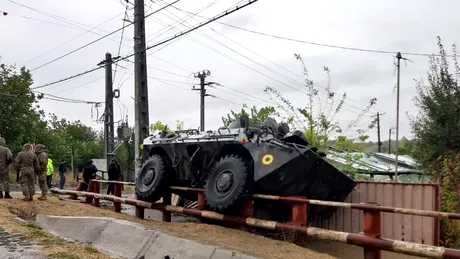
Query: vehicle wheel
[(229, 185), (153, 179)]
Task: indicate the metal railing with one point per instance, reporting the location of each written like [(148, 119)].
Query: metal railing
[(370, 239)]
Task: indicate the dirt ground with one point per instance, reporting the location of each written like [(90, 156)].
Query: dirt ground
[(216, 235)]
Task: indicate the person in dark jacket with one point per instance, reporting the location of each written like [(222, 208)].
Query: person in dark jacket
[(62, 171), (114, 175), (89, 173)]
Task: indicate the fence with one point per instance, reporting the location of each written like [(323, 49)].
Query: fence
[(412, 228), (370, 240)]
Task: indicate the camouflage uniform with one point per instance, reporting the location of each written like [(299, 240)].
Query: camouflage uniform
[(6, 157), (43, 165), (26, 163)]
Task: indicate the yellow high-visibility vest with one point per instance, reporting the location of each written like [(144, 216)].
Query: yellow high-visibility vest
[(50, 167)]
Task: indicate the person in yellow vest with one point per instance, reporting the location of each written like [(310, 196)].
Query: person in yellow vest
[(49, 173)]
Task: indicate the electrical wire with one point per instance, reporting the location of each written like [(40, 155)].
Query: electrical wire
[(76, 37), (269, 69), (67, 78), (378, 51), (77, 24), (121, 42), (193, 28), (78, 86), (103, 37), (38, 20)]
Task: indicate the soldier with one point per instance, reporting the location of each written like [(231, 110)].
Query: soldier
[(6, 157), (43, 164), (26, 163)]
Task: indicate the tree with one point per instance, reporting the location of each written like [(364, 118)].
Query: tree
[(317, 120), (160, 126), (436, 127), (87, 142), (257, 116), (20, 117)]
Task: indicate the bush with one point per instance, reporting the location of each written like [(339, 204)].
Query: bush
[(446, 171)]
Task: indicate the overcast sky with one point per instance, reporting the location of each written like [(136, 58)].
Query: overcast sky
[(405, 26)]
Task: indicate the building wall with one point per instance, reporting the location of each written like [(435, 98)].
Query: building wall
[(418, 229)]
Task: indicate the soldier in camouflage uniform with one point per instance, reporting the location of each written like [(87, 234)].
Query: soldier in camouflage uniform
[(6, 157), (43, 164), (26, 163)]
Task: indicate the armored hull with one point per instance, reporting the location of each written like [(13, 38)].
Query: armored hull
[(233, 163)]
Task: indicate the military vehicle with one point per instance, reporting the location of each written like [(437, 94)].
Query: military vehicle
[(233, 163)]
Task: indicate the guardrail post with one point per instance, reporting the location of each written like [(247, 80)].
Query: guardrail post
[(201, 201), (117, 205), (89, 200), (248, 211), (299, 213), (97, 189), (372, 227), (167, 201), (140, 212)]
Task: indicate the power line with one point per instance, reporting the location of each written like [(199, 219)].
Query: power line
[(121, 41), (38, 20), (78, 36), (196, 27), (269, 69), (78, 86), (94, 41), (64, 99), (319, 44), (67, 78)]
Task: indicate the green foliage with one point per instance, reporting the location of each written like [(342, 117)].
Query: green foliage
[(160, 126), (317, 119), (257, 116), (20, 115), (447, 172), (63, 134), (22, 121), (436, 127)]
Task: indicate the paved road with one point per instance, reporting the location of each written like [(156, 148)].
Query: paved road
[(14, 246)]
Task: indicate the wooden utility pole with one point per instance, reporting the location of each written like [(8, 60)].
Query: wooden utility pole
[(141, 102)]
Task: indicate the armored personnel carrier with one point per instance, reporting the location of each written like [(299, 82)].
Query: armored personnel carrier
[(233, 163)]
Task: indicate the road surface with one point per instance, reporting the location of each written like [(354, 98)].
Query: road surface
[(14, 246)]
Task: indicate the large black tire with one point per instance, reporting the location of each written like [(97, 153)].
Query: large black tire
[(229, 185), (153, 179)]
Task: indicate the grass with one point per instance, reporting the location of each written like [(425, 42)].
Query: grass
[(51, 246), (231, 239)]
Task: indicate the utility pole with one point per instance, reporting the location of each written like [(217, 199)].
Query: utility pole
[(141, 102), (109, 136), (398, 56), (389, 141), (379, 142), (202, 76), (75, 175)]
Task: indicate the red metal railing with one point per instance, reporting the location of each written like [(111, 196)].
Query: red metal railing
[(370, 240)]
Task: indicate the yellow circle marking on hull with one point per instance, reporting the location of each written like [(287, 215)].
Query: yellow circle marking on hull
[(267, 159)]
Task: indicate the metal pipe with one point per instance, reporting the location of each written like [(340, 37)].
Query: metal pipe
[(107, 181), (426, 213), (337, 236)]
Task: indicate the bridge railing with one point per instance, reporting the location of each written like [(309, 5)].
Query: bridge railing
[(370, 239)]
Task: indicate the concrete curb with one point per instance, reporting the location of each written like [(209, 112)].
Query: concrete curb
[(125, 239)]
